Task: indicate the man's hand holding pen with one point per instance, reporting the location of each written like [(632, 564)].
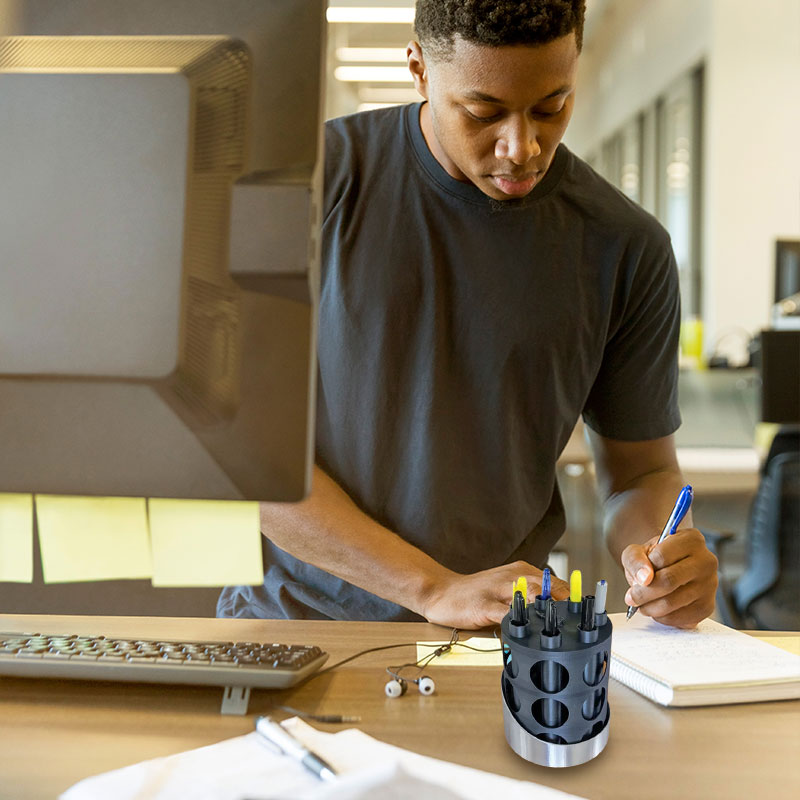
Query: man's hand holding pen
[(673, 581)]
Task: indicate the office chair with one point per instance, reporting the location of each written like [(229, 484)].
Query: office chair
[(767, 594)]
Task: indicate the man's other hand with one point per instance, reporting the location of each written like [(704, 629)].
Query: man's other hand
[(673, 582), (483, 598)]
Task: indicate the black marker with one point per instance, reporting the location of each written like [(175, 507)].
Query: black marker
[(550, 618), (587, 613)]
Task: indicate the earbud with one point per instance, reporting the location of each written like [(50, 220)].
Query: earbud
[(398, 686), (395, 687)]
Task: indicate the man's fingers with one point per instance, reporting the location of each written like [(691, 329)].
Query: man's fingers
[(663, 606), (637, 566), (683, 544), (665, 582), (688, 616), (496, 612), (559, 589)]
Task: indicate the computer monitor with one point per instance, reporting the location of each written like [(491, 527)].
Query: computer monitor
[(780, 376), (160, 195), (787, 268)]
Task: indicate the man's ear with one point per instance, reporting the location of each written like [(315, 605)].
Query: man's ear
[(417, 68)]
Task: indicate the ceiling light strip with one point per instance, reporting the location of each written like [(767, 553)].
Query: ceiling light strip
[(380, 15), (373, 74), (371, 54)]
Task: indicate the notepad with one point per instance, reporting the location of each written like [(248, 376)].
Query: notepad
[(710, 665)]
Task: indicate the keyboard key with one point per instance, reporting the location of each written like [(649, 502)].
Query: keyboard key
[(57, 655)]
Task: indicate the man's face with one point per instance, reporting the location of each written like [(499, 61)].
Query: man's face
[(496, 114)]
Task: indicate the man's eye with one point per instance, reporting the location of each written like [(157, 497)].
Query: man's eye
[(548, 113), (482, 117)]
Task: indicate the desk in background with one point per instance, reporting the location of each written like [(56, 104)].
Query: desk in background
[(54, 733), (716, 452)]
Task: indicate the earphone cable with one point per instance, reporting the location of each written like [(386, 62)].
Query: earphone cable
[(421, 663)]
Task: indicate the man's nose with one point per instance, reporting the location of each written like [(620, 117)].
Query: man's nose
[(518, 141)]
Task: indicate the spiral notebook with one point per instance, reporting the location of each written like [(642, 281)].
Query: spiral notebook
[(710, 665)]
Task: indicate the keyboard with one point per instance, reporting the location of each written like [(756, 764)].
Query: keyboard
[(228, 664)]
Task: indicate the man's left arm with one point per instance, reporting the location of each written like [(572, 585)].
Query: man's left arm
[(673, 582)]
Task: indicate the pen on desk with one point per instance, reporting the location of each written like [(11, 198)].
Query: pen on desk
[(675, 518), (286, 743)]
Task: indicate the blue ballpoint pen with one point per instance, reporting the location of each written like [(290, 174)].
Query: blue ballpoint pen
[(546, 583), (675, 518)]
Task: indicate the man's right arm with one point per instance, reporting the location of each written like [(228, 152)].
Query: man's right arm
[(329, 531)]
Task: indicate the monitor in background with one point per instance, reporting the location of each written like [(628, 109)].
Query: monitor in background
[(159, 213), (787, 268), (780, 376)]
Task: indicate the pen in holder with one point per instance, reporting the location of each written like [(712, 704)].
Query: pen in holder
[(555, 678)]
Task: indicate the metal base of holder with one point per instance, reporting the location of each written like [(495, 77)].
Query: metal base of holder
[(547, 754)]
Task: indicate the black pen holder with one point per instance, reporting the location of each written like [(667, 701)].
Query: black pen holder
[(555, 688)]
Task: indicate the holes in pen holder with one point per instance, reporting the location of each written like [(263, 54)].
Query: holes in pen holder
[(510, 696), (595, 669), (550, 713), (511, 666), (593, 705), (549, 676)]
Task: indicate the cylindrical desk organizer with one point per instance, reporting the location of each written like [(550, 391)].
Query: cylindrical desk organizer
[(555, 687)]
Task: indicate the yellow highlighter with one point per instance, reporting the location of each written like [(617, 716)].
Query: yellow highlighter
[(575, 595), (518, 624)]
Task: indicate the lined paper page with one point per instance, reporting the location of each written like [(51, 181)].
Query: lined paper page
[(708, 655)]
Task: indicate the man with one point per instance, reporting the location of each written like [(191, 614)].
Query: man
[(482, 288)]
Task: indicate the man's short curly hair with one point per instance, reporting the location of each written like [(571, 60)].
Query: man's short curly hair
[(496, 22)]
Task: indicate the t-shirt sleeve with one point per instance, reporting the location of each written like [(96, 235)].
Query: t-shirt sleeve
[(635, 394), (339, 166)]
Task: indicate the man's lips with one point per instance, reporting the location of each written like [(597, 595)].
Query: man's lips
[(514, 185)]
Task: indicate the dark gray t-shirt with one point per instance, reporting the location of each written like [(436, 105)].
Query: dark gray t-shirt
[(460, 341)]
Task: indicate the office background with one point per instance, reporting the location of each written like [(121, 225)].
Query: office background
[(689, 106)]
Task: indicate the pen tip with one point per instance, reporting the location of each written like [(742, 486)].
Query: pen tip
[(631, 612)]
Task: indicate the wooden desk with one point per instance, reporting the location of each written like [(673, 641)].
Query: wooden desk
[(53, 733)]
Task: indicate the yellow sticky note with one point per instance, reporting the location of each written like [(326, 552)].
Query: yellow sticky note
[(788, 643), (205, 542), (474, 652), (93, 538), (16, 538)]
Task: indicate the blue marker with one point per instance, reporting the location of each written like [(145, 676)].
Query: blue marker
[(546, 583), (675, 518)]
